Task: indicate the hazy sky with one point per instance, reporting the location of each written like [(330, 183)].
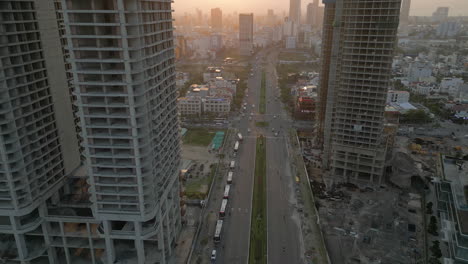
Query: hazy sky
[(418, 7)]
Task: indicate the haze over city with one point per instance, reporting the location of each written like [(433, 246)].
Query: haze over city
[(418, 7), (233, 131)]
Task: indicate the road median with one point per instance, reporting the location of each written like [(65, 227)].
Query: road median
[(258, 229), (262, 105)]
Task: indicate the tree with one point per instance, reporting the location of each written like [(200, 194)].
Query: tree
[(435, 249), (432, 228), (416, 117), (429, 208)]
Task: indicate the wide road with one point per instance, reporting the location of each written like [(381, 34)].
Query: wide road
[(284, 236), (283, 224), (236, 234)]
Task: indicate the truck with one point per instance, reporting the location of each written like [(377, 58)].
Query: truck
[(229, 179), (236, 146)]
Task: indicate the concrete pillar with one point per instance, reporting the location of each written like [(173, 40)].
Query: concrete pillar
[(139, 244), (51, 252), (110, 249), (19, 238), (161, 243)]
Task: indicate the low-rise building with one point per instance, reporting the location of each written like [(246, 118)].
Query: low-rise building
[(291, 42), (200, 99), (216, 105), (452, 86), (419, 71), (182, 78), (190, 106), (460, 111), (220, 82), (399, 97), (211, 73), (452, 206), (424, 88)]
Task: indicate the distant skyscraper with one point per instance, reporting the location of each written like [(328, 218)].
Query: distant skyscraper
[(354, 85), (271, 17), (440, 15), (246, 34), (199, 16), (405, 11), (319, 20), (217, 19), (314, 15), (310, 14), (295, 11)]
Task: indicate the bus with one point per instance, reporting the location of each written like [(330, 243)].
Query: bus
[(236, 146), (217, 235), (233, 164), (229, 179), (226, 191), (222, 211), (239, 135)]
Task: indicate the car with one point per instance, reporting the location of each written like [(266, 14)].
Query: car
[(248, 130), (213, 255), (274, 116), (251, 114), (273, 129), (250, 118), (276, 134), (253, 105)]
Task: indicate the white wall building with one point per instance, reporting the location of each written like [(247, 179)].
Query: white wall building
[(426, 88), (211, 73), (214, 105), (291, 42), (190, 106), (451, 86), (399, 97), (419, 71)]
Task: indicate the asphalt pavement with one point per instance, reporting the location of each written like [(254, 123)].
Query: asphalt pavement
[(284, 235), (283, 231)]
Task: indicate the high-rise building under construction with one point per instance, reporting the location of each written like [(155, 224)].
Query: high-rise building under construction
[(118, 200), (359, 37)]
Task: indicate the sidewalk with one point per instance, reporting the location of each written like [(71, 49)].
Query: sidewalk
[(315, 249)]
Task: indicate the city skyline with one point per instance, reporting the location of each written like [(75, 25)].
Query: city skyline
[(418, 7)]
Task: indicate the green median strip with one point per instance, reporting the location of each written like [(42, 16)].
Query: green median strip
[(258, 229), (262, 124), (262, 105)]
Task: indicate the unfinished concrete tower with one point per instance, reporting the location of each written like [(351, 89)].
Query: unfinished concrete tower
[(38, 143), (357, 53), (122, 58)]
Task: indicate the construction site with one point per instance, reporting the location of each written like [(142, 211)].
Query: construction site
[(385, 223)]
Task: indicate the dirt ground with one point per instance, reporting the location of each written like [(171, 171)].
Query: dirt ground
[(198, 154)]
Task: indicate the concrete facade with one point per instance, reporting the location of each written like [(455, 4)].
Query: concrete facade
[(295, 11), (246, 29), (122, 205), (122, 57), (217, 19), (356, 76), (38, 145)]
